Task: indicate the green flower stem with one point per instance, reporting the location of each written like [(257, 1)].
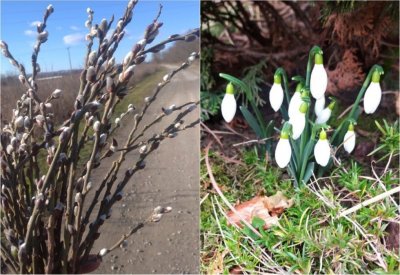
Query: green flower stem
[(280, 71), (345, 123), (313, 51), (364, 87)]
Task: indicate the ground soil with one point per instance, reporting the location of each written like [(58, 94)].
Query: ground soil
[(171, 178)]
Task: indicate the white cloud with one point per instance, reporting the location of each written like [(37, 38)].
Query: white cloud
[(74, 28), (30, 33), (34, 23), (74, 38)]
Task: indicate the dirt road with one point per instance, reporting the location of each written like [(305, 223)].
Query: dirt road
[(171, 178)]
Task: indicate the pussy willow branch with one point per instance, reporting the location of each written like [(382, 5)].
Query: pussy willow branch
[(116, 164), (108, 201), (158, 119), (130, 233)]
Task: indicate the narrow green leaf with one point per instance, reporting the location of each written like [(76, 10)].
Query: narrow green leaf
[(252, 121), (309, 171)]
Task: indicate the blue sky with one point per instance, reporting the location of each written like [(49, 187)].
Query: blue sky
[(66, 27)]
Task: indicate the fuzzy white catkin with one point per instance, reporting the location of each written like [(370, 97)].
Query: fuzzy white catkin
[(56, 93), (103, 252), (96, 126)]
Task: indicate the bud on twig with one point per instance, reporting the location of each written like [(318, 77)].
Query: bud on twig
[(3, 45), (140, 59), (42, 37), (96, 126), (91, 74), (78, 198), (143, 149), (110, 86), (103, 252), (19, 122), (50, 9), (92, 58), (127, 58), (56, 93)]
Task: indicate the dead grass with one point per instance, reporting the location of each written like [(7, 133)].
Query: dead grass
[(12, 89)]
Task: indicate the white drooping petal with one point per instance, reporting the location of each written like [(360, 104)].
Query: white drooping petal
[(372, 97), (298, 122), (228, 107), (349, 141), (324, 116), (294, 104), (283, 153), (276, 96), (319, 105), (318, 81), (322, 152)]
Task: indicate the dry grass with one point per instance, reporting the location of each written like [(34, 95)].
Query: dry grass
[(12, 89)]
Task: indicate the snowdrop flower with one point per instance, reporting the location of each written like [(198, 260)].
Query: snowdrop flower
[(319, 78), (319, 105), (276, 93), (325, 114), (228, 105), (295, 101), (322, 150), (373, 95), (283, 151), (298, 121), (349, 141)]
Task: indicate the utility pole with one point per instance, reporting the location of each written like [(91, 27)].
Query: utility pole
[(69, 57)]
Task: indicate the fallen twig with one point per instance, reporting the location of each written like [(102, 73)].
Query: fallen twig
[(208, 130), (259, 141), (369, 201)]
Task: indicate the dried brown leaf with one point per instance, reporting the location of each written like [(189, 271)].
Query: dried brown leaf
[(263, 207)]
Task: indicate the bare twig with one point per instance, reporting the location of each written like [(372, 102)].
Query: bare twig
[(212, 134), (369, 201)]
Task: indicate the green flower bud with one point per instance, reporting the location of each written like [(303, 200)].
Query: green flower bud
[(230, 90), (376, 76), (284, 135), (319, 59), (322, 135), (299, 86), (277, 79), (303, 108), (331, 105)]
